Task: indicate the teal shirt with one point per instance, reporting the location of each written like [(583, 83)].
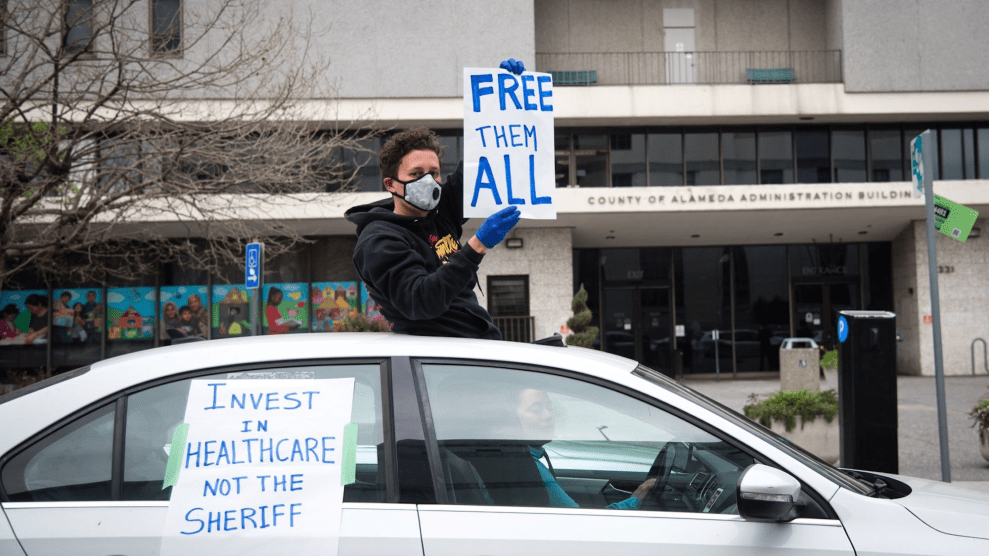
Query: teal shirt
[(558, 498)]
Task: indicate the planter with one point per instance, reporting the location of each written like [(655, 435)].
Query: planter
[(984, 445), (819, 437)]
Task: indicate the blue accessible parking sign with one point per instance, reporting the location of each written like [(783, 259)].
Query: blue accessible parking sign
[(252, 270)]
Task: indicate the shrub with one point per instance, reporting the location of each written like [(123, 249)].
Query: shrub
[(980, 416), (582, 334), (785, 405), (359, 322), (830, 360)]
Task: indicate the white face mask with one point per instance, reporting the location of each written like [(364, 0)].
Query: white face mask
[(422, 193)]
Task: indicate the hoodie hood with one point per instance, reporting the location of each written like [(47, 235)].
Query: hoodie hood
[(362, 215)]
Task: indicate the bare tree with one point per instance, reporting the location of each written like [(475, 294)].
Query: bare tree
[(134, 132)]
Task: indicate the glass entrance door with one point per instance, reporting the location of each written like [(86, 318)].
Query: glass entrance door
[(636, 324), (816, 308)]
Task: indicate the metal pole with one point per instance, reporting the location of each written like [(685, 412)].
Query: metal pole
[(942, 414)]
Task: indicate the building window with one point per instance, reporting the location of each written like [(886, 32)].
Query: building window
[(885, 154), (775, 156), (848, 147), (958, 153), (3, 27), (813, 156), (166, 26), (508, 296), (738, 149), (508, 303), (702, 162), (79, 26), (628, 159), (982, 139), (665, 158)]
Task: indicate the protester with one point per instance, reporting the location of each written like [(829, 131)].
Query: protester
[(408, 250)]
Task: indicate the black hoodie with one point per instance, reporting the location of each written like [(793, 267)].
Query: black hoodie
[(416, 269)]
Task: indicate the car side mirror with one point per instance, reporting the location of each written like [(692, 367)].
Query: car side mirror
[(767, 494)]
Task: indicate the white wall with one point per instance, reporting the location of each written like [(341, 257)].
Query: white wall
[(963, 290), (547, 258)]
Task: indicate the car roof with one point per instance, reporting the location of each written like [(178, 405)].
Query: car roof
[(107, 377)]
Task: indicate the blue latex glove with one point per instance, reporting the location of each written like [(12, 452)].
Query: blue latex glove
[(497, 225), (513, 65)]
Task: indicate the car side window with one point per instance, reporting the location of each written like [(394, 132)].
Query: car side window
[(71, 464), (153, 414), (523, 438)]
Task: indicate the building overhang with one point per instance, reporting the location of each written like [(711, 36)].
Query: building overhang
[(658, 105)]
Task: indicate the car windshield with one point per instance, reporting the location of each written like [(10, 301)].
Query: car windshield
[(808, 459)]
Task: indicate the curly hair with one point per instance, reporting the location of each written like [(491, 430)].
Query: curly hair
[(401, 144)]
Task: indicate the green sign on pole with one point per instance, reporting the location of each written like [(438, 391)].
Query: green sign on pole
[(952, 219)]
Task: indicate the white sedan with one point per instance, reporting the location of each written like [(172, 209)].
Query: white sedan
[(466, 447)]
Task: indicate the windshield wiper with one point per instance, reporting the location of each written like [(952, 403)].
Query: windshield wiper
[(877, 487)]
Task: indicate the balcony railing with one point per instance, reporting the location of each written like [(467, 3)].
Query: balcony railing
[(683, 68), (516, 329)]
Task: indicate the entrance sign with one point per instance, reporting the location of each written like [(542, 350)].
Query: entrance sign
[(953, 219), (258, 467), (508, 143)]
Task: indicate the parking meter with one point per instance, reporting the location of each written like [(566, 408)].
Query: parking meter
[(867, 390)]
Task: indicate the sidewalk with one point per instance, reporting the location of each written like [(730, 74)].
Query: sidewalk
[(917, 430)]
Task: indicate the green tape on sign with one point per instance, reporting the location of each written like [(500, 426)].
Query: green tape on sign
[(953, 219), (175, 453), (348, 472)]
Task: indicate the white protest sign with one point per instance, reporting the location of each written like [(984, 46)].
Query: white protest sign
[(259, 469), (508, 143)]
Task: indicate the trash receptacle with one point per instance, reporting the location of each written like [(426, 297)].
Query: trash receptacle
[(799, 364), (867, 390)]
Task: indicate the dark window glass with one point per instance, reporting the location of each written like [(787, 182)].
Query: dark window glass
[(501, 432), (983, 138), (166, 25), (813, 157), (701, 154), (562, 146), (885, 154), (665, 159), (628, 160), (848, 146), (876, 277), (362, 166), (762, 306), (738, 149), (775, 157), (508, 296), (78, 24), (71, 464), (957, 154), (703, 304), (452, 151), (153, 414), (591, 159)]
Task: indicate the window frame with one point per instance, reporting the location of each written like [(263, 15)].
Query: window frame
[(120, 399), (525, 293), (432, 442), (154, 38)]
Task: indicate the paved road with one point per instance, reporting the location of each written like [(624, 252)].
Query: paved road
[(919, 449)]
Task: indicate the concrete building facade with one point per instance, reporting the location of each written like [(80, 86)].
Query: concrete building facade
[(738, 166)]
